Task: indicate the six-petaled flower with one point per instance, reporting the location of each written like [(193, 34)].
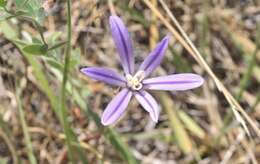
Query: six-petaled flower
[(136, 83)]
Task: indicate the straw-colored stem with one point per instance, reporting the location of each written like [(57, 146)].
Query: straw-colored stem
[(235, 106)]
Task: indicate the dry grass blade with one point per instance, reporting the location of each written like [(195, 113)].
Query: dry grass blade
[(198, 57), (154, 34)]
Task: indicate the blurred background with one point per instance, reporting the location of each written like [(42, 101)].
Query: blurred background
[(195, 126)]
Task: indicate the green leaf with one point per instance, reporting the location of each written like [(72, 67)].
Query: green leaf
[(191, 124), (32, 8), (36, 40), (75, 58), (36, 49), (54, 63), (2, 3)]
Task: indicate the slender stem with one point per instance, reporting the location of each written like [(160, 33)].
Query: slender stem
[(27, 136), (57, 46), (64, 111), (39, 28)]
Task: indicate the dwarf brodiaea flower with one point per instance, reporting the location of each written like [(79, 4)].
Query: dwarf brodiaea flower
[(136, 83)]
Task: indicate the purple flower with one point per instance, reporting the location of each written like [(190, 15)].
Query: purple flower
[(136, 84)]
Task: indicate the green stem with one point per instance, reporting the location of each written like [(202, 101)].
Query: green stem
[(40, 30), (27, 137), (63, 110), (57, 46)]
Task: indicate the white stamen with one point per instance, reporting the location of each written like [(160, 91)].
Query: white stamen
[(135, 82)]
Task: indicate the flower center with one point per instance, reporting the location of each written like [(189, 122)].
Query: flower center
[(135, 82)]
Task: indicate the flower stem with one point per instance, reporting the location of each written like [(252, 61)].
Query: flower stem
[(63, 110)]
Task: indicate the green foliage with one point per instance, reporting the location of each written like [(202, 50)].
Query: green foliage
[(44, 85), (31, 8), (2, 3), (74, 59), (36, 49), (53, 63)]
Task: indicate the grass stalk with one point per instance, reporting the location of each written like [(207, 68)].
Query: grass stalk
[(26, 133)]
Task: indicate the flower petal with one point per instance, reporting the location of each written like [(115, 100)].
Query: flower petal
[(155, 57), (148, 103), (179, 82), (106, 75), (123, 43), (116, 107)]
